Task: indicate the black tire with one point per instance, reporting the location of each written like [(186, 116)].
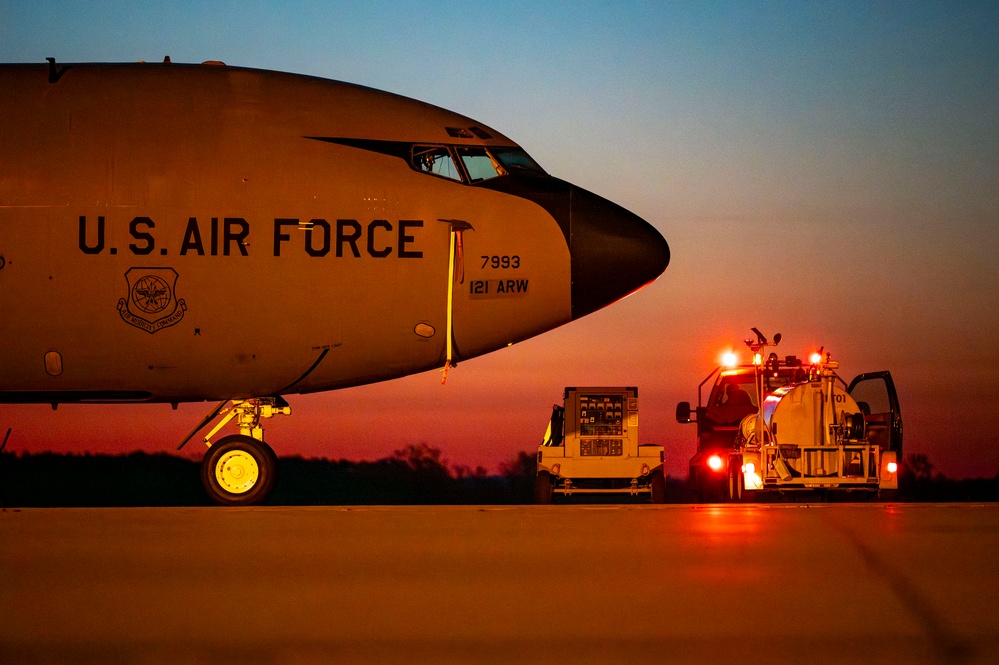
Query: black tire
[(543, 488), (736, 483), (658, 486), (239, 471), (708, 489)]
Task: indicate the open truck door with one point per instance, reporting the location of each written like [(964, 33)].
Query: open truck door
[(875, 393)]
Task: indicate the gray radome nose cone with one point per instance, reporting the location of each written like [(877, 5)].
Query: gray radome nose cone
[(614, 252)]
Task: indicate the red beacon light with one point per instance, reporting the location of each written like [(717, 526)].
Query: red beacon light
[(729, 359), (715, 463), (891, 467), (815, 358)]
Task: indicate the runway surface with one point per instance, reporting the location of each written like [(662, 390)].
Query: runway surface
[(774, 583)]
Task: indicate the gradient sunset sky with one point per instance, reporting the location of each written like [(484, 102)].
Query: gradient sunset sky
[(828, 170)]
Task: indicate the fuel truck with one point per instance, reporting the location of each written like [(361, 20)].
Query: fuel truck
[(782, 425)]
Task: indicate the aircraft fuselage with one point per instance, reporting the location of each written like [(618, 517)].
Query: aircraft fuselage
[(191, 232)]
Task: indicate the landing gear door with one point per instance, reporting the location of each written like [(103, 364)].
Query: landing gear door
[(876, 390)]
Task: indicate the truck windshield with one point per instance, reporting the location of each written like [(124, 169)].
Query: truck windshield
[(726, 391), (735, 390)]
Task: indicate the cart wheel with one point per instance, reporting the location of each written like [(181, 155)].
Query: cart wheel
[(658, 484), (543, 488), (239, 471)]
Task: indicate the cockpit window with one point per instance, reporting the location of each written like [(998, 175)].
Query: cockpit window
[(471, 164), (516, 159), (479, 164), (435, 159)]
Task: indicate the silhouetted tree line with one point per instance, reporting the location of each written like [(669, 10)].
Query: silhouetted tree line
[(417, 474), (918, 482)]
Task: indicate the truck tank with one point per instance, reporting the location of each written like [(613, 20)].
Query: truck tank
[(809, 421)]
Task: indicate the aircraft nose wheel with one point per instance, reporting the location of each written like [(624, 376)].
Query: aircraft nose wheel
[(238, 470)]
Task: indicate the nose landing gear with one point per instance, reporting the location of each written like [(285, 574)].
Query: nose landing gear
[(240, 469)]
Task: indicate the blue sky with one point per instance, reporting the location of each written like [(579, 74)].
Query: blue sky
[(826, 169)]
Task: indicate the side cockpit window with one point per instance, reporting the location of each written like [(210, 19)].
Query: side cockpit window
[(435, 159)]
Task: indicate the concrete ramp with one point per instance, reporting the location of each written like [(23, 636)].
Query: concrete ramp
[(775, 583)]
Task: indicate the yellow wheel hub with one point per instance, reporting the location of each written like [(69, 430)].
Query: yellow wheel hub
[(237, 471)]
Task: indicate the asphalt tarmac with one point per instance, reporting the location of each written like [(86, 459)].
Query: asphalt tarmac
[(773, 583)]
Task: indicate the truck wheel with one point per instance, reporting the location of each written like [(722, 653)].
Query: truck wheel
[(543, 488), (736, 483), (239, 471), (708, 489), (658, 485)]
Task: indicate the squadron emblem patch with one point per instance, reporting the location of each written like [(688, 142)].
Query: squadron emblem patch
[(152, 303)]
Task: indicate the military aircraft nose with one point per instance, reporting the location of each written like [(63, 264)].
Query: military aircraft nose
[(614, 252)]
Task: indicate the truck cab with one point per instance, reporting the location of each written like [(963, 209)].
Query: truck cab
[(591, 446)]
